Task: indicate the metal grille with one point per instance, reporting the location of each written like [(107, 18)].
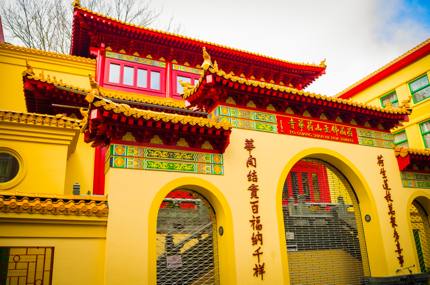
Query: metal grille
[(26, 265), (323, 226), (421, 233), (186, 240)]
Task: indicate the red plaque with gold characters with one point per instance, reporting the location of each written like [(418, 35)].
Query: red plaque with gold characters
[(316, 129)]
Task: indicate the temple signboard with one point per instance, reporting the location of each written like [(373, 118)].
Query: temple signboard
[(317, 129)]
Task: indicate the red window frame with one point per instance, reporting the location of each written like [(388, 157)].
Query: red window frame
[(124, 87), (175, 73)]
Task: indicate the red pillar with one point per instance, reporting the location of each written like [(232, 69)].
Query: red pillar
[(99, 170)]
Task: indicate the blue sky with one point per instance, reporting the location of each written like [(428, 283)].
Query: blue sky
[(356, 37)]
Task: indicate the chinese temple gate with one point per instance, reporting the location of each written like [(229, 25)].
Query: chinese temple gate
[(214, 166)]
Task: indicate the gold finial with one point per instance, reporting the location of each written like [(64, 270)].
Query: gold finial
[(93, 83), (29, 69), (186, 86), (76, 3), (323, 63), (405, 104), (207, 62), (388, 105), (84, 121), (215, 67)]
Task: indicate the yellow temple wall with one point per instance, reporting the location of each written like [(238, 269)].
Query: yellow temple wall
[(42, 152), (50, 170), (80, 168), (398, 81), (131, 242), (79, 244)]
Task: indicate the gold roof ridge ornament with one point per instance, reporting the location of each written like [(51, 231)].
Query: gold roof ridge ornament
[(405, 104), (207, 62), (76, 3), (29, 69), (323, 63)]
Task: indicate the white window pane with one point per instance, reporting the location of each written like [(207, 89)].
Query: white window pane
[(142, 78), (400, 137), (155, 80), (114, 73), (427, 140), (425, 127), (390, 98), (422, 94), (179, 87), (128, 75), (419, 83)]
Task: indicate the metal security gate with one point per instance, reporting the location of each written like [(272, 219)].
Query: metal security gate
[(186, 240), (323, 226), (421, 232)]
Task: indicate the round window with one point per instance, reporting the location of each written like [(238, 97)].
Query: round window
[(9, 167)]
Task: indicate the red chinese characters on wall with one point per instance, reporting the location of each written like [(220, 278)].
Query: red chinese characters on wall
[(316, 129), (254, 201), (391, 212)]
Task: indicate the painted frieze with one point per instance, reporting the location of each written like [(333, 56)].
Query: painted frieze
[(135, 59), (149, 158), (301, 126), (246, 119), (415, 180)]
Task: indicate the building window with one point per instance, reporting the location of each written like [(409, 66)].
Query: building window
[(131, 76), (155, 80), (26, 265), (420, 88), (114, 70), (425, 132), (400, 139), (186, 74), (188, 79), (390, 98), (9, 167)]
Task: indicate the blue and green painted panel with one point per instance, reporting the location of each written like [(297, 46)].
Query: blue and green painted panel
[(374, 138), (135, 59), (148, 158), (246, 119), (416, 180)]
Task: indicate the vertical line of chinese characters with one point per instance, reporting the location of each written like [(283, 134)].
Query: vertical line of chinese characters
[(254, 200), (391, 212)]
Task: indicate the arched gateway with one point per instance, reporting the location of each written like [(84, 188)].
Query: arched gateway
[(324, 234), (186, 240), (421, 234)]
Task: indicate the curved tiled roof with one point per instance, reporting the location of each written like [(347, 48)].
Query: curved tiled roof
[(58, 121), (110, 94), (189, 92), (67, 205), (47, 53), (77, 6), (158, 116), (403, 152)]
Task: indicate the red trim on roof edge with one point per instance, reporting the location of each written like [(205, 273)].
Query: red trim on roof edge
[(389, 70)]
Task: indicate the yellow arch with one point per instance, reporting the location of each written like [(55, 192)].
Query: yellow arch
[(419, 195), (377, 262), (227, 263)]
